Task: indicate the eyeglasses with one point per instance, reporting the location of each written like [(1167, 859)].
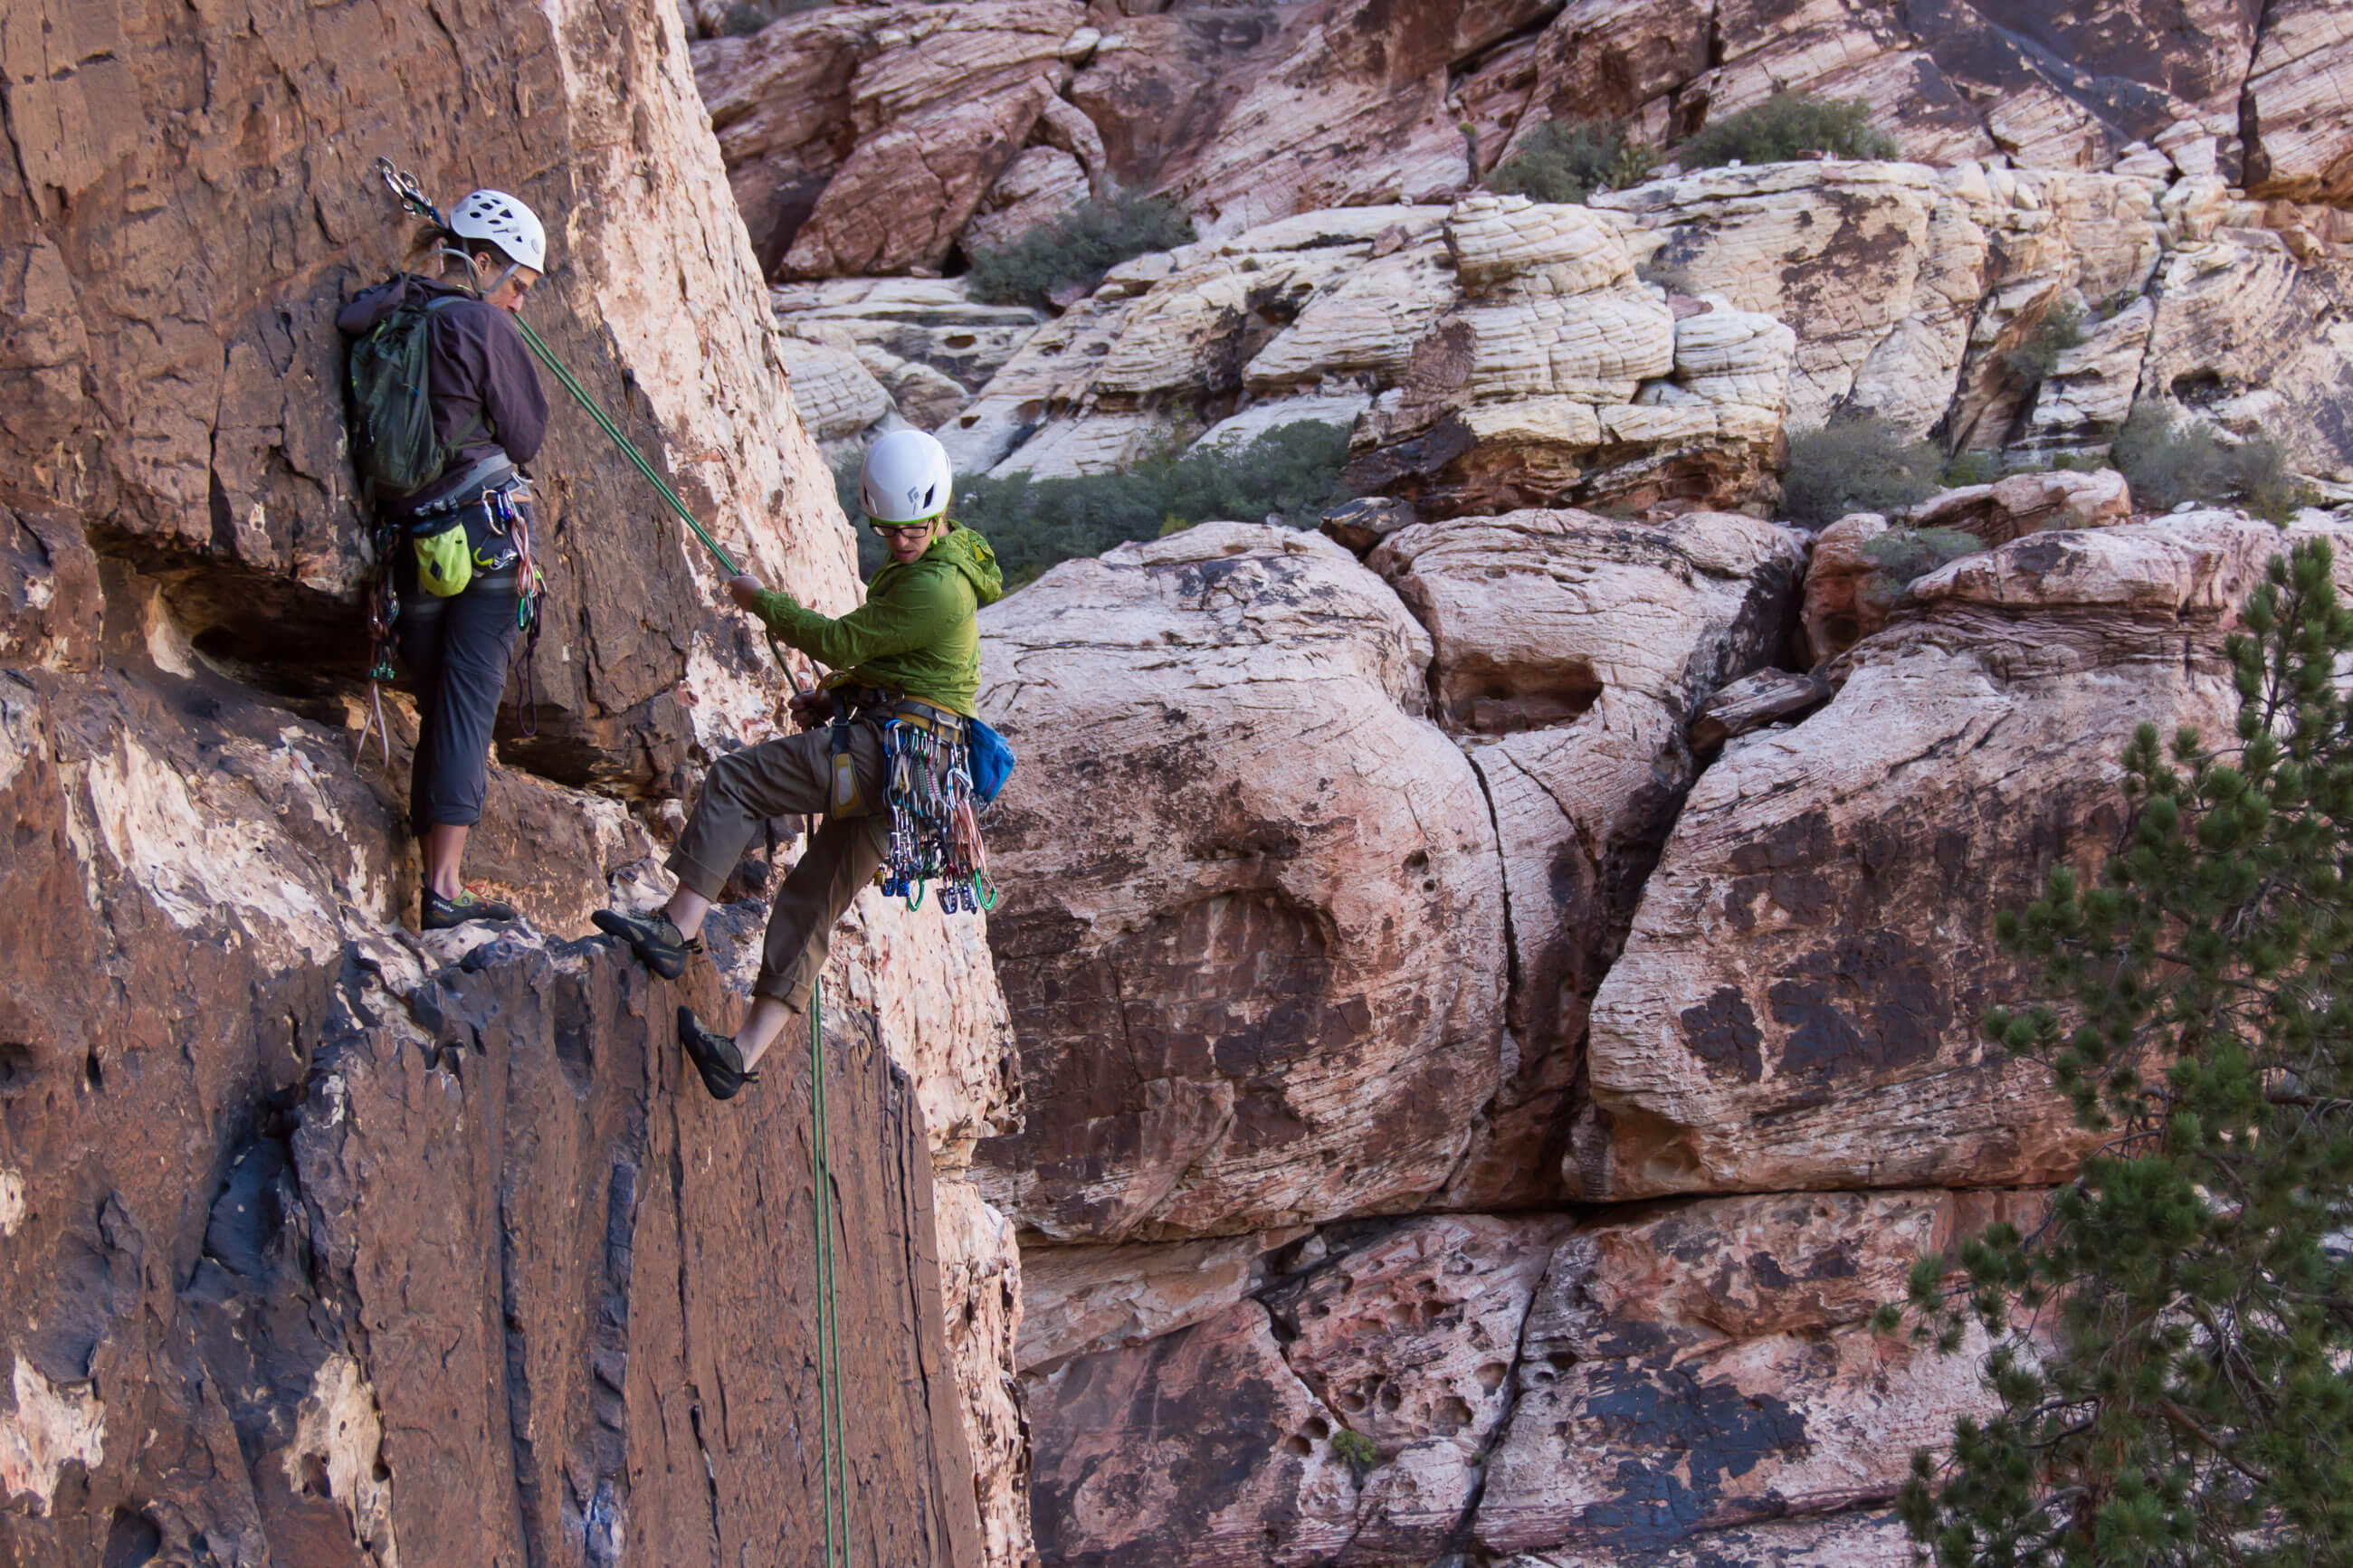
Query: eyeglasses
[(888, 532)]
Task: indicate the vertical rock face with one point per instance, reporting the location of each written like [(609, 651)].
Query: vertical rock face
[(325, 1243), (1310, 927), (1570, 652), (1797, 1005)]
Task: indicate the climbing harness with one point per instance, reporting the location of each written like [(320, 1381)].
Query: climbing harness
[(833, 1452)]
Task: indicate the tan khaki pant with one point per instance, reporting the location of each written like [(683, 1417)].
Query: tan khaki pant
[(779, 778)]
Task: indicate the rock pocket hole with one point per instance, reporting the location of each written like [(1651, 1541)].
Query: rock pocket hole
[(1318, 1429), (1491, 1376), (1297, 1445), (1451, 1415), (19, 1066), (134, 1541), (1506, 701)]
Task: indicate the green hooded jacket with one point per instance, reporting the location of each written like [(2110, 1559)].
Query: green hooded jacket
[(915, 633)]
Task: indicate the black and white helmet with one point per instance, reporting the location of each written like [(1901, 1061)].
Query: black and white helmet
[(907, 479), (506, 223)]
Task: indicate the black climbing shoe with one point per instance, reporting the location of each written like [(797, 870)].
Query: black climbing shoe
[(658, 946), (447, 914), (714, 1056)]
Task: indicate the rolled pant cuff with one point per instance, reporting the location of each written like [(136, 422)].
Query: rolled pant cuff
[(697, 877)]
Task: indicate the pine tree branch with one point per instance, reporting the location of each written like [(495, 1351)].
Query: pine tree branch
[(2187, 1423)]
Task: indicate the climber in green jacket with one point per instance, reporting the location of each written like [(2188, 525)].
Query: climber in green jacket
[(910, 653)]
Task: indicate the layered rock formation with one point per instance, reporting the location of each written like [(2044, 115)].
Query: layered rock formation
[(1792, 1015), (323, 1242), (1254, 112)]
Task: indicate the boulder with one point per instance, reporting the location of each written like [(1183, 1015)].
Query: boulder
[(1201, 1448), (1345, 1412), (938, 110), (1039, 185), (2249, 338), (1077, 1301), (2019, 504), (1711, 1366), (1571, 651), (1235, 849), (1557, 374), (1797, 1004), (1753, 701), (1410, 1340), (1627, 1385), (1865, 1538)]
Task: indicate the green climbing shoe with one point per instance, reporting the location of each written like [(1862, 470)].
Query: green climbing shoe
[(659, 945), (447, 914), (714, 1056)]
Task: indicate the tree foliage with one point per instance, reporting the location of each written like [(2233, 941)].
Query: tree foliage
[(2170, 1348), (1560, 162), (1291, 471), (2168, 461), (1861, 463), (1076, 249), (1789, 125)]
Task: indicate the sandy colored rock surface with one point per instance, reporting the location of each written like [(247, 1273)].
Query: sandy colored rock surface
[(324, 1239), (1081, 1299), (1201, 1448), (1796, 1005), (1575, 649), (1290, 870)]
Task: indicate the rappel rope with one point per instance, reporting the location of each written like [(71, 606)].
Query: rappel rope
[(832, 1449)]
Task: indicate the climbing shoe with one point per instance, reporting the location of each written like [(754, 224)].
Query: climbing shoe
[(659, 945), (714, 1056), (447, 914)]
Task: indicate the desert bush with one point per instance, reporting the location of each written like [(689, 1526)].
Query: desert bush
[(1861, 464), (2168, 460), (1291, 471), (1076, 249), (1970, 468), (1789, 125), (1903, 554), (1357, 1451), (2037, 355), (1568, 162)]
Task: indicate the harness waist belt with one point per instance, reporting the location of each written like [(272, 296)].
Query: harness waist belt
[(489, 474)]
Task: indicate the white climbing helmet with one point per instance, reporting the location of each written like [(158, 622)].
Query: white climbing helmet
[(907, 479), (506, 223)]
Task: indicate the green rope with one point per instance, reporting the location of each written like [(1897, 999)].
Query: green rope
[(605, 422), (830, 1441)]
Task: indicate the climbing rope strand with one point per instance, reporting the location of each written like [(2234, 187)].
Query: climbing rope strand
[(831, 1443), (570, 383)]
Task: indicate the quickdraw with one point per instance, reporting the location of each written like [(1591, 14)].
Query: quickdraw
[(935, 829)]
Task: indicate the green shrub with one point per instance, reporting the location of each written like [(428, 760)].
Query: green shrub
[(1901, 555), (1076, 249), (1568, 162), (1789, 125), (2037, 355), (2168, 461), (1356, 1450), (1970, 468), (1291, 471), (1861, 464)]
